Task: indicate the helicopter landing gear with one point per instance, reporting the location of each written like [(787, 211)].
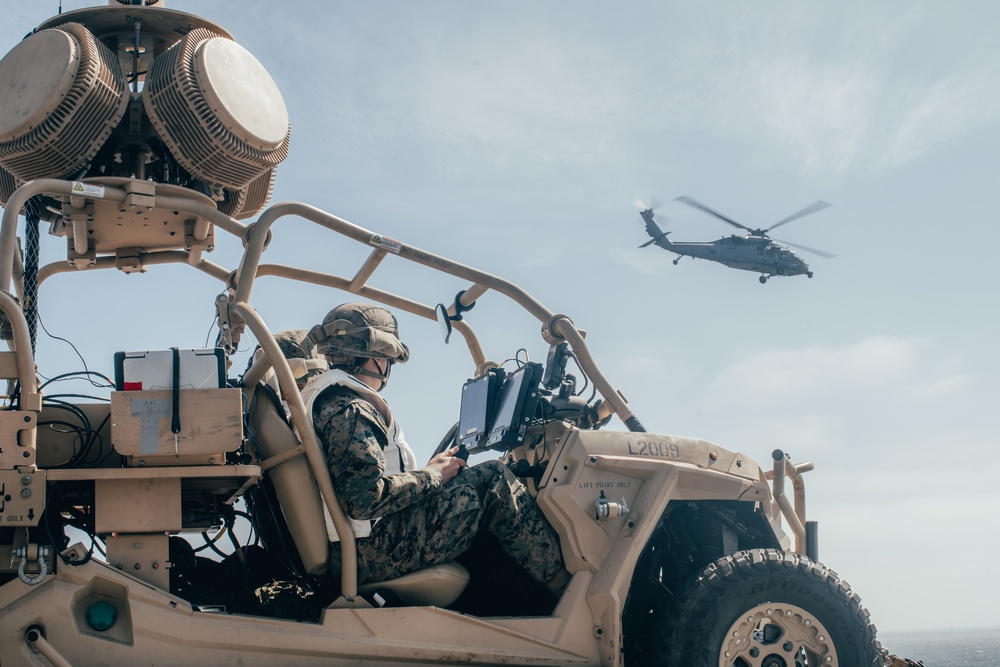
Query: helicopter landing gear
[(677, 260), (762, 279)]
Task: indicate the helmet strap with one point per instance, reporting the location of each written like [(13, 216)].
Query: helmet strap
[(382, 377)]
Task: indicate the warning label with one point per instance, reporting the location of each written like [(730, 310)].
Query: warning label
[(385, 243), (88, 189)]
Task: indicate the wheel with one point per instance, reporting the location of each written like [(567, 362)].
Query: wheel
[(762, 279), (767, 608), (675, 262), (810, 274)]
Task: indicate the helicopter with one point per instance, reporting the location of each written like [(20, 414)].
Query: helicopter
[(755, 251)]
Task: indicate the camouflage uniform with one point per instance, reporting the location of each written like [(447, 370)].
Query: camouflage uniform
[(422, 522)]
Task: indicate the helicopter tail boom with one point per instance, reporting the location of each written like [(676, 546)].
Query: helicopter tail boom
[(657, 235)]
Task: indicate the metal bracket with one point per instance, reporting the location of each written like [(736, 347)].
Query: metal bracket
[(609, 509), (12, 452), (231, 327)]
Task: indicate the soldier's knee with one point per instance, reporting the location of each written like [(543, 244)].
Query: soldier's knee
[(493, 469), (459, 495), (489, 478)]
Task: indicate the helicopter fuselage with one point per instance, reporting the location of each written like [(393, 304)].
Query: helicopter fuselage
[(748, 253)]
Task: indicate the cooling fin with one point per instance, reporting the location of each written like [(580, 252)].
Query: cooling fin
[(64, 94), (248, 201), (217, 110)]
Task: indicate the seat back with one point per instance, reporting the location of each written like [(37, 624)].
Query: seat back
[(293, 480), (302, 508)]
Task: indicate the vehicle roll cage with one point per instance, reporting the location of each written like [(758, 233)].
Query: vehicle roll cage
[(235, 311)]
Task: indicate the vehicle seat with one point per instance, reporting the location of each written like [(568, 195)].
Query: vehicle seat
[(302, 507), (434, 586)]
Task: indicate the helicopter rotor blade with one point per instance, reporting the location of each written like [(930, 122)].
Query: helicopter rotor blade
[(701, 207), (821, 253), (812, 208)]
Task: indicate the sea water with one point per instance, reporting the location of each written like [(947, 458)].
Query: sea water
[(946, 648)]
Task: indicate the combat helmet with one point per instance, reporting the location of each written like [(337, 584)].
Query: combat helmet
[(358, 330), (295, 344)]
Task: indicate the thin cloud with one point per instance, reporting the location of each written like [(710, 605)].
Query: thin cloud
[(875, 398), (950, 109), (832, 89), (820, 113), (644, 263)]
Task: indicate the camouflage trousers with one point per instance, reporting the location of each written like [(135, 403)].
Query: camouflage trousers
[(443, 525)]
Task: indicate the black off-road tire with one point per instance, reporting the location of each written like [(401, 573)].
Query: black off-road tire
[(766, 607)]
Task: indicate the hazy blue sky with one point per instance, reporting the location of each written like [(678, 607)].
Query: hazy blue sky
[(515, 136)]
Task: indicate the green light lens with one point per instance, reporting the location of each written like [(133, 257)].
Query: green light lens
[(101, 616)]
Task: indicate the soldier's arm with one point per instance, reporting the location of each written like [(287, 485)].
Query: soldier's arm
[(354, 439)]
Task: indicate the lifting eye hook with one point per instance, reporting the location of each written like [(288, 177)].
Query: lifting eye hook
[(43, 569)]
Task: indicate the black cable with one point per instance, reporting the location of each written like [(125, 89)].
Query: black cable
[(48, 529), (64, 376), (97, 543), (103, 399), (228, 519), (515, 359), (69, 407), (95, 436), (210, 543), (52, 502), (41, 323), (253, 531), (83, 522), (88, 435), (79, 440), (83, 431), (15, 395), (111, 452), (208, 335), (57, 422), (586, 380), (237, 547)]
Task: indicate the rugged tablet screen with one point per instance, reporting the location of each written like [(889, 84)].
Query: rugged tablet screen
[(518, 400), (479, 398)]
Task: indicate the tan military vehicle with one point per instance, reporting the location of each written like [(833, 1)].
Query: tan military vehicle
[(143, 136)]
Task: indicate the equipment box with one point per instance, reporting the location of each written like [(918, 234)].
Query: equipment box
[(209, 423), (197, 369)]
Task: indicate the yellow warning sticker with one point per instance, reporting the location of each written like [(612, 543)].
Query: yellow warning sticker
[(88, 189), (385, 243)]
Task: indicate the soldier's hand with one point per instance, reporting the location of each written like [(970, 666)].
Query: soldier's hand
[(447, 463)]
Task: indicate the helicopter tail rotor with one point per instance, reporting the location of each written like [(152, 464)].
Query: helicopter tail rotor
[(647, 203), (656, 235)]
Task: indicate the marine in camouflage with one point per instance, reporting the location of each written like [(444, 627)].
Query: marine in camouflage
[(354, 434), (422, 522), (293, 344)]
